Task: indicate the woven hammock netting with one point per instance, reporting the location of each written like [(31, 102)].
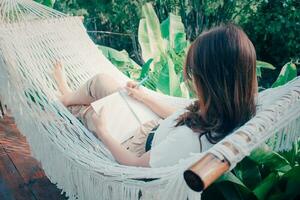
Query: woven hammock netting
[(32, 38)]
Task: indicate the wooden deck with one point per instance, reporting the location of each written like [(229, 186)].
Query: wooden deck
[(21, 176)]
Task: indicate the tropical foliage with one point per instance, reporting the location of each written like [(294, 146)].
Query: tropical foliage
[(264, 174), (163, 48), (269, 24)]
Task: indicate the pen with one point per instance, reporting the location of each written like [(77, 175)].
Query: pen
[(138, 84), (142, 81)]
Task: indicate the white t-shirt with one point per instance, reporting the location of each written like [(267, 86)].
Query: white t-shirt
[(170, 143)]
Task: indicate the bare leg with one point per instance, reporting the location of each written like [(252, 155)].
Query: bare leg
[(68, 96)]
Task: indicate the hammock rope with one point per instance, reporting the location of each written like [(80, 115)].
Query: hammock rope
[(32, 38)]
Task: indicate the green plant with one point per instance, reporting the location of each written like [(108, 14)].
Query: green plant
[(163, 48), (273, 27), (288, 72), (122, 60), (48, 3), (264, 174), (262, 65), (166, 43)]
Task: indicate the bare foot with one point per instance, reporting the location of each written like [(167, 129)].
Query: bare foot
[(60, 78)]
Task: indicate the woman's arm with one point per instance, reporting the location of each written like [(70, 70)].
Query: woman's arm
[(162, 109), (122, 155)]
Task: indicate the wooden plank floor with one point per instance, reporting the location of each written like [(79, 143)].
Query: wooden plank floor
[(21, 176)]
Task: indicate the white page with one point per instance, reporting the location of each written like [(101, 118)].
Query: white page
[(121, 119), (143, 112)]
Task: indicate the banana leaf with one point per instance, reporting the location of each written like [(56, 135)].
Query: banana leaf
[(291, 155), (287, 73), (270, 159), (227, 187), (48, 3), (149, 35), (264, 187), (144, 40), (172, 29), (168, 80), (248, 172), (122, 61), (292, 179), (260, 65), (145, 69)]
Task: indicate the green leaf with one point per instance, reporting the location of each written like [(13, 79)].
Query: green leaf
[(258, 72), (287, 73), (291, 155), (122, 61), (163, 81), (262, 190), (260, 65), (288, 186), (144, 40), (249, 172), (293, 181), (270, 159), (112, 54), (180, 43), (228, 186), (145, 68), (151, 29), (117, 56), (48, 3), (229, 176), (172, 29), (225, 190), (265, 65), (174, 79), (168, 81), (165, 28)]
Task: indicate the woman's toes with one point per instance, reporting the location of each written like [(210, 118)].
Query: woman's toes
[(58, 69), (58, 65), (58, 74)]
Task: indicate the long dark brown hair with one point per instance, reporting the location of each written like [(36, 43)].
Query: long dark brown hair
[(221, 64)]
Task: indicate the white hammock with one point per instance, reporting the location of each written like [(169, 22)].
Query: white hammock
[(32, 37)]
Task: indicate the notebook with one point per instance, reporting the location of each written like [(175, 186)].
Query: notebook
[(124, 114)]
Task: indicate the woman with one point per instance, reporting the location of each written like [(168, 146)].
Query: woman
[(221, 65)]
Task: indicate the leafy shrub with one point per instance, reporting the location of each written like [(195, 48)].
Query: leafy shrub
[(163, 48), (274, 28)]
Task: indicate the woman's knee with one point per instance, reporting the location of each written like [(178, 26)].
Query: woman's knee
[(103, 85), (105, 81)]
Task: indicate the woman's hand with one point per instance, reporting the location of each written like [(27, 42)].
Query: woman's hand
[(99, 121), (135, 91)]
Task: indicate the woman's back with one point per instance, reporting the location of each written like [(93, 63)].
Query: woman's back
[(170, 143)]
